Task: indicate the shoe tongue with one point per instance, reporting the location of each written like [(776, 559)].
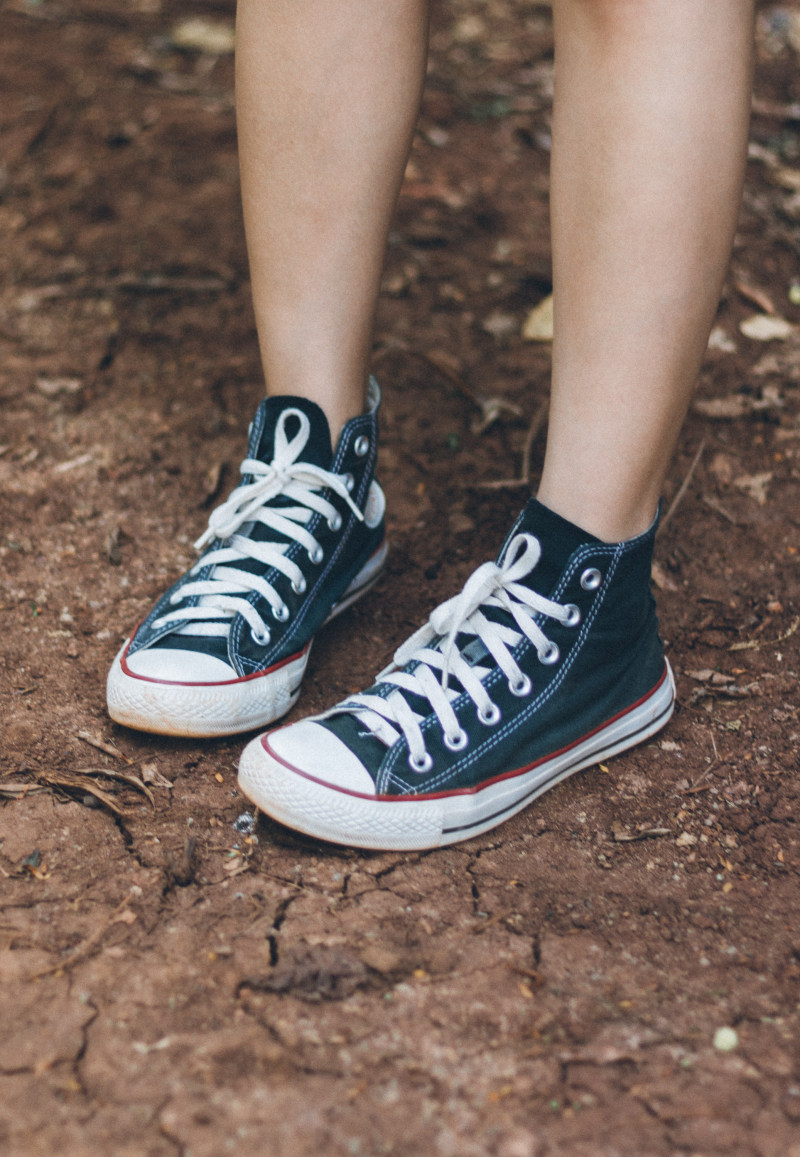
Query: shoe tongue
[(317, 450), (558, 538)]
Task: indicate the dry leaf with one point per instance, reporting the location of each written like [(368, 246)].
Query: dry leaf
[(786, 178), (539, 322), (620, 833), (199, 35), (754, 486), (53, 386), (446, 362), (101, 745), (623, 835), (723, 409), (73, 463), (461, 523), (18, 790), (500, 324), (211, 483), (756, 295), (661, 579), (126, 916), (469, 28), (122, 776), (111, 546), (721, 466), (67, 781), (760, 327), (151, 774), (718, 339)]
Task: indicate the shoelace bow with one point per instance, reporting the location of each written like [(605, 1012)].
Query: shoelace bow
[(492, 585), (223, 594)]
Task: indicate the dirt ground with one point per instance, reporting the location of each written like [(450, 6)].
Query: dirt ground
[(180, 977)]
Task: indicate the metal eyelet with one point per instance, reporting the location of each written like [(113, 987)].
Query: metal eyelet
[(573, 615), (550, 654), (260, 638), (316, 555), (425, 764), (591, 579), (281, 613), (335, 523), (456, 742), (492, 716), (521, 688), (361, 446), (350, 482), (299, 587)]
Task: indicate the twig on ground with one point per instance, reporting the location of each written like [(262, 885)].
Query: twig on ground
[(184, 873), (684, 486), (714, 745), (102, 745), (698, 785), (123, 777), (537, 422), (490, 408), (780, 112), (69, 782), (754, 294), (479, 929), (712, 504), (19, 790), (757, 644), (86, 946)]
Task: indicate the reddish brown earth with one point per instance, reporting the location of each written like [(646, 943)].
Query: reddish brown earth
[(171, 985)]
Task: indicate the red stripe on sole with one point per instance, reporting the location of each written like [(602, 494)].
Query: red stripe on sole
[(461, 790)]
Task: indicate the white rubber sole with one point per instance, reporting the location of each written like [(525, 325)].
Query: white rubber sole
[(306, 803), (207, 710)]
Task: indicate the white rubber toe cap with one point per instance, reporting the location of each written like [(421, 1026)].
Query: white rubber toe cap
[(310, 748), (177, 666)]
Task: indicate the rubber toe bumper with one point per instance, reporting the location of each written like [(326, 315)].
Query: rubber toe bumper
[(203, 710)]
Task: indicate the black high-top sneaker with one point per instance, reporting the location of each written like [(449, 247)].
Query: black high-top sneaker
[(302, 537), (547, 662)]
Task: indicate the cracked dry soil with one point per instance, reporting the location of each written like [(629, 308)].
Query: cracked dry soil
[(173, 983)]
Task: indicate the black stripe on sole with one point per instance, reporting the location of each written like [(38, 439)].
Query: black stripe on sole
[(562, 774)]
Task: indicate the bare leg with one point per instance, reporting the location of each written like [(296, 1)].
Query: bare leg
[(327, 96), (650, 129)]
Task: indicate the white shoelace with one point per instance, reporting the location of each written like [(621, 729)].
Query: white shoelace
[(223, 594), (490, 586)]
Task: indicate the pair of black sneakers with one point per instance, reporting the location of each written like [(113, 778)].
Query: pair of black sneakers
[(548, 660)]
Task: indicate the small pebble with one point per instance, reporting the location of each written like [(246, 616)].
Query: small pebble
[(245, 823), (726, 1040)]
